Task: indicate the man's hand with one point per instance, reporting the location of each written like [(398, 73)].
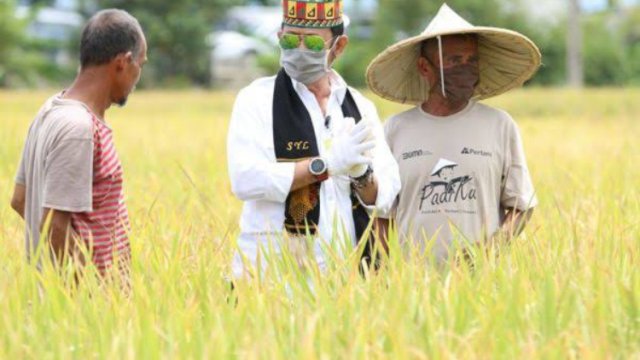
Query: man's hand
[(359, 170), (18, 199), (347, 155), (369, 192), (302, 177), (381, 228), (56, 225), (514, 222)]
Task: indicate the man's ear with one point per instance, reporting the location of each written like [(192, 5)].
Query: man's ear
[(424, 68), (427, 70), (341, 44), (122, 60)]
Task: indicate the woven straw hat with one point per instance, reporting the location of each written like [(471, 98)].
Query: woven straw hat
[(507, 60)]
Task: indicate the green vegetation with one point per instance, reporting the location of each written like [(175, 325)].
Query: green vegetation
[(179, 54), (568, 288)]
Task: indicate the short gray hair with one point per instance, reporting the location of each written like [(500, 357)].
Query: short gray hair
[(107, 34)]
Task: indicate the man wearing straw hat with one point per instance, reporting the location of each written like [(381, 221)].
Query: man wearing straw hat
[(462, 164), (306, 153)]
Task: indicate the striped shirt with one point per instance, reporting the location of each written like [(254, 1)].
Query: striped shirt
[(105, 229), (69, 163)]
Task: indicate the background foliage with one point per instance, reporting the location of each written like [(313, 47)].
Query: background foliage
[(179, 54)]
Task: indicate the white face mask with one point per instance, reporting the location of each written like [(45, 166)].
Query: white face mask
[(304, 65)]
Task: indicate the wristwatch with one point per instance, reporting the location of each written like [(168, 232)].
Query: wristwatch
[(363, 180), (318, 168)]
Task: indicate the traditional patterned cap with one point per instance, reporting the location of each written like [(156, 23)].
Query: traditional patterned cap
[(312, 13)]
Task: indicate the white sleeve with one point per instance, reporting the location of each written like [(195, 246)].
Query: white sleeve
[(385, 167), (253, 170)]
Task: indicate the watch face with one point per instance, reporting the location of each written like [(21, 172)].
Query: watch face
[(317, 166)]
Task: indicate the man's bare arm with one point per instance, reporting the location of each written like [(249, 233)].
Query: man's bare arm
[(381, 228), (56, 225), (302, 177), (369, 193), (18, 199), (515, 222)]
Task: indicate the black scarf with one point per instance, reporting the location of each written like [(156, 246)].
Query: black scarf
[(295, 140)]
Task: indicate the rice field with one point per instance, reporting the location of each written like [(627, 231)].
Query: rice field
[(568, 288)]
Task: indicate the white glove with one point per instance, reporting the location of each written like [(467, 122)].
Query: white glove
[(348, 125), (349, 153), (358, 170)]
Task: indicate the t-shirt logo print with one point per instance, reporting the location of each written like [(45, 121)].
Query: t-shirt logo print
[(445, 187), (471, 151)]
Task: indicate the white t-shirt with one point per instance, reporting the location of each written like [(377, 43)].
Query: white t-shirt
[(458, 173)]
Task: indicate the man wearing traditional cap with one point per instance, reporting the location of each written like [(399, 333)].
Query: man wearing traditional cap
[(445, 71), (306, 153)]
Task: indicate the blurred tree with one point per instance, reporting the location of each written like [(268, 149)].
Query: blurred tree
[(398, 20), (575, 72), (605, 56), (553, 49), (265, 2), (10, 33), (410, 17), (176, 32), (631, 42), (21, 59), (179, 55)]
